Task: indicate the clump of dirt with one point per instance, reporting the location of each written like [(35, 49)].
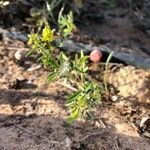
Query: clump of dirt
[(132, 82)]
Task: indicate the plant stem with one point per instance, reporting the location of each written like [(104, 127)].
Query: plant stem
[(68, 86), (106, 72)]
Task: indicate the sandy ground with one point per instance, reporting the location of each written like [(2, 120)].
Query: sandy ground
[(33, 113)]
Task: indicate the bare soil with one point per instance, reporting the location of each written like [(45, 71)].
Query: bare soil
[(33, 113)]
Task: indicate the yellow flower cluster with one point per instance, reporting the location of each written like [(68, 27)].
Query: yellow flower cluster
[(47, 34)]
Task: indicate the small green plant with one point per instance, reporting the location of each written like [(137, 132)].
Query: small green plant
[(51, 12), (66, 24), (86, 94), (44, 14)]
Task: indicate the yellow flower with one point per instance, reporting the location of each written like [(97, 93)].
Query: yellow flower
[(32, 38), (47, 34)]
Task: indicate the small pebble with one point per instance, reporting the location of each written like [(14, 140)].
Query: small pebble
[(143, 121), (19, 55), (114, 98)]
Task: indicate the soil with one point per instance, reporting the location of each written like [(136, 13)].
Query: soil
[(114, 28), (33, 112)]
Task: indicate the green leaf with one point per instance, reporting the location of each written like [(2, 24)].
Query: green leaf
[(32, 38), (106, 71), (66, 24), (30, 52), (81, 54), (74, 115), (73, 96), (63, 56), (52, 76)]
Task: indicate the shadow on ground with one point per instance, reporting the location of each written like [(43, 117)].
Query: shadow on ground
[(26, 123), (47, 132)]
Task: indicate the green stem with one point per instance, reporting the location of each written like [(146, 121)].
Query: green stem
[(106, 71)]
